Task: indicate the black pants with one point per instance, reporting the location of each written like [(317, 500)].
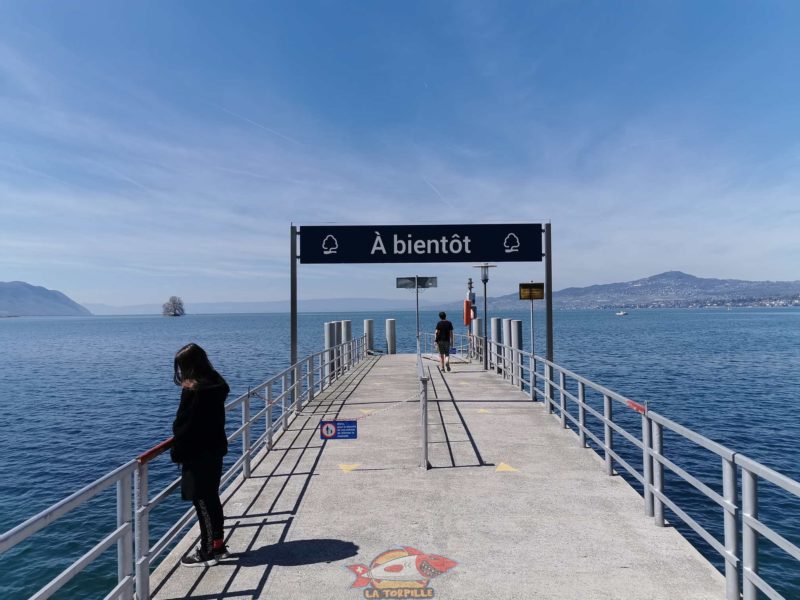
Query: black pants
[(210, 517), (200, 484)]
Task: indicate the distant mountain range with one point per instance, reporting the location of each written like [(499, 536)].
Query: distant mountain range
[(19, 299), (672, 289)]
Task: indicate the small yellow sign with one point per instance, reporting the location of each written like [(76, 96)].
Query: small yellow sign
[(531, 291)]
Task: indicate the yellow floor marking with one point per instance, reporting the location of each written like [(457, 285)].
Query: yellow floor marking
[(366, 411), (348, 468), (503, 467), (482, 410)]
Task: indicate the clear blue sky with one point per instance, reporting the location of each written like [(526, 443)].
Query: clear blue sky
[(155, 148)]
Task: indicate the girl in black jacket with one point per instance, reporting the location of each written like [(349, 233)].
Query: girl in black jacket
[(199, 444)]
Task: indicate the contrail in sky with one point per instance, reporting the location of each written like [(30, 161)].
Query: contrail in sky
[(439, 194), (256, 123)]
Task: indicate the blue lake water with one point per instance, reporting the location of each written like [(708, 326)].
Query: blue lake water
[(80, 396)]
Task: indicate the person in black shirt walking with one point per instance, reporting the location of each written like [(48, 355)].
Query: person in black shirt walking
[(199, 443), (444, 339)]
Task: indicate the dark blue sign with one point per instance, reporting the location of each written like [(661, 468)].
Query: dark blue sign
[(420, 243), (338, 430)]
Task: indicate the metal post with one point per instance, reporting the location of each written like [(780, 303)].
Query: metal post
[(548, 388), (582, 414), (142, 531), (647, 462), (310, 378), (369, 332), (658, 474), (269, 416), (391, 336), (424, 416), (416, 290), (297, 396), (338, 351), (729, 492), (506, 344), (497, 328), (532, 376), (516, 344), (562, 397), (533, 331), (347, 337), (293, 235), (749, 535), (285, 401), (330, 334), (477, 328), (125, 516), (246, 436), (608, 437), (485, 331), (548, 295)]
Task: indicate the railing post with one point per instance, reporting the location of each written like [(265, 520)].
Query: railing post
[(310, 377), (647, 466), (581, 414), (269, 415), (548, 388), (658, 473), (246, 436), (729, 492), (297, 395), (608, 434), (749, 535), (562, 397), (125, 515), (532, 363), (285, 401), (142, 533), (424, 418)]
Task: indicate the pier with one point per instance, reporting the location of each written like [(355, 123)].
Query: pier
[(508, 477), (510, 496)]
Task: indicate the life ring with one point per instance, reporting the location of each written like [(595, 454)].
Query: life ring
[(467, 312)]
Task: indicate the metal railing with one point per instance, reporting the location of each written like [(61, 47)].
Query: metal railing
[(527, 372), (423, 401), (282, 396)]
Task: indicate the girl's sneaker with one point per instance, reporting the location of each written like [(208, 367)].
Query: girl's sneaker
[(198, 558), (222, 553)]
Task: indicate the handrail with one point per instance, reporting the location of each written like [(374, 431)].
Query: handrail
[(297, 386), (739, 566)]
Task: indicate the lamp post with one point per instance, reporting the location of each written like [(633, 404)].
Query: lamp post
[(485, 279)]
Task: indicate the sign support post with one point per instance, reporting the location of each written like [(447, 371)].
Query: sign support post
[(548, 279), (293, 295)]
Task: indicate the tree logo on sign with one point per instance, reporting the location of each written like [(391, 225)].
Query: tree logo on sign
[(329, 245)]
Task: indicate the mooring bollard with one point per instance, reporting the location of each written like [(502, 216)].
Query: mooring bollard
[(516, 362), (338, 353), (506, 358), (496, 324), (347, 337), (327, 357), (477, 332), (391, 336), (369, 333)]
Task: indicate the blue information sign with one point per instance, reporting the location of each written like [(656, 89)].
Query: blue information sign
[(338, 430), (420, 243)]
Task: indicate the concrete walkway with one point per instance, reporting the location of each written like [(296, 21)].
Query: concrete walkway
[(510, 498)]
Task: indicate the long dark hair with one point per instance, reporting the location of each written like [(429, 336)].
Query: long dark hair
[(192, 367)]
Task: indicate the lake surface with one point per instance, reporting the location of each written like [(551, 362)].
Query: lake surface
[(81, 396)]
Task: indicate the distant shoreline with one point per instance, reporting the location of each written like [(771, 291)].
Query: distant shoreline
[(523, 306)]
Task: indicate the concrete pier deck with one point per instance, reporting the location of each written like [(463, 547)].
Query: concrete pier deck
[(510, 498)]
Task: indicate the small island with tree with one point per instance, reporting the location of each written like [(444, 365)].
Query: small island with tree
[(173, 307)]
